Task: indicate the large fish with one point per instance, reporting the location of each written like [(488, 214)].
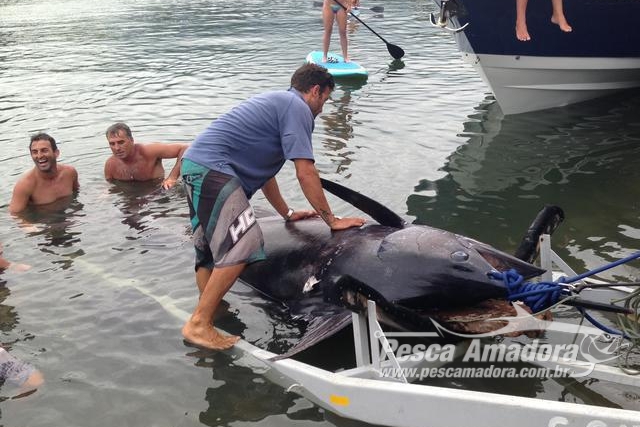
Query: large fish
[(406, 269)]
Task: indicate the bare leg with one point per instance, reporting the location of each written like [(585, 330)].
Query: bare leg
[(342, 28), (202, 277), (327, 19), (199, 328), (522, 33), (558, 17)]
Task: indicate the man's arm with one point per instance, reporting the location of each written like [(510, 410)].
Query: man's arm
[(21, 195), (272, 193), (309, 180), (74, 174), (108, 169), (168, 151)]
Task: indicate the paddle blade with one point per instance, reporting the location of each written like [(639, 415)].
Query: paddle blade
[(395, 51)]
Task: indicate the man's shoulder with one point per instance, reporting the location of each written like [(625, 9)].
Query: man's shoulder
[(67, 169), (112, 161), (285, 100), (148, 150), (27, 179), (279, 96)]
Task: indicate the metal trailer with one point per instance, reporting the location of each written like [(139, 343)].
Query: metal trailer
[(364, 394)]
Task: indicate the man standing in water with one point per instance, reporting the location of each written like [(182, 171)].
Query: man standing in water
[(238, 154), (140, 162), (48, 181)]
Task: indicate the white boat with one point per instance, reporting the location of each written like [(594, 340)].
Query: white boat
[(599, 57)]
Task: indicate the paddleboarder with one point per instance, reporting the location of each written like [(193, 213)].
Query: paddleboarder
[(334, 11)]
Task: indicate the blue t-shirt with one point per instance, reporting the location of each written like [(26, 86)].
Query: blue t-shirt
[(254, 139)]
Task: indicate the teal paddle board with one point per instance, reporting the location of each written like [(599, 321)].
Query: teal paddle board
[(336, 66)]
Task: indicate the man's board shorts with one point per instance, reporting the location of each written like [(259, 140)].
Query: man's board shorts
[(14, 370), (225, 230)]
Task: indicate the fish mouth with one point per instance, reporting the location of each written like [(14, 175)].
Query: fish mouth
[(354, 296), (484, 317), (503, 262)]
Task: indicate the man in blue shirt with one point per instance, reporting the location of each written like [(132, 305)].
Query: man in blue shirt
[(238, 154)]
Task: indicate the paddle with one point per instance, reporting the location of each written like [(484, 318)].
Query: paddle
[(395, 51)]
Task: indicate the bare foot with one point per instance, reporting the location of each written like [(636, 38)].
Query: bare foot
[(207, 337), (562, 23), (522, 33)]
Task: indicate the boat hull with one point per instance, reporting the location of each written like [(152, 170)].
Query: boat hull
[(529, 83), (599, 57)]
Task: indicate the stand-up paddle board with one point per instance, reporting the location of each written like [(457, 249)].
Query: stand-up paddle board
[(336, 66)]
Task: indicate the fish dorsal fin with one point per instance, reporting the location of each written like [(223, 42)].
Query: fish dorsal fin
[(375, 210)]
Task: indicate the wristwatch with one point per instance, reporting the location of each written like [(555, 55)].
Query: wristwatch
[(289, 214)]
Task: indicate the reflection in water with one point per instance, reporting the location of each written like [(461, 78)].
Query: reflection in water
[(236, 391), (8, 317), (133, 200), (57, 224), (340, 123), (143, 202), (584, 158)]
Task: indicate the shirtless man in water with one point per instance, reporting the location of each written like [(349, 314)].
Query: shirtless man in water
[(140, 162), (48, 181)]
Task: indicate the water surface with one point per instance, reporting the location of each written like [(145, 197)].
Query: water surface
[(100, 311)]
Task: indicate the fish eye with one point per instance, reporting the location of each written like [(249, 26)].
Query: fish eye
[(460, 256)]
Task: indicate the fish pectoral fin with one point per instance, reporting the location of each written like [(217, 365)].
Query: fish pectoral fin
[(353, 295), (319, 328)]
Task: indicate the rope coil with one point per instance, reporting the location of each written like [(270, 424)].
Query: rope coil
[(538, 296)]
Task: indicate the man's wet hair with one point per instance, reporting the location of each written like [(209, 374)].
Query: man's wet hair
[(310, 75), (43, 137), (117, 127)]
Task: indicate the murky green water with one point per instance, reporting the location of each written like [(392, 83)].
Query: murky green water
[(101, 309)]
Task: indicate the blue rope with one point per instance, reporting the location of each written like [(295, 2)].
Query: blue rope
[(539, 296), (536, 295), (601, 326), (601, 269)]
